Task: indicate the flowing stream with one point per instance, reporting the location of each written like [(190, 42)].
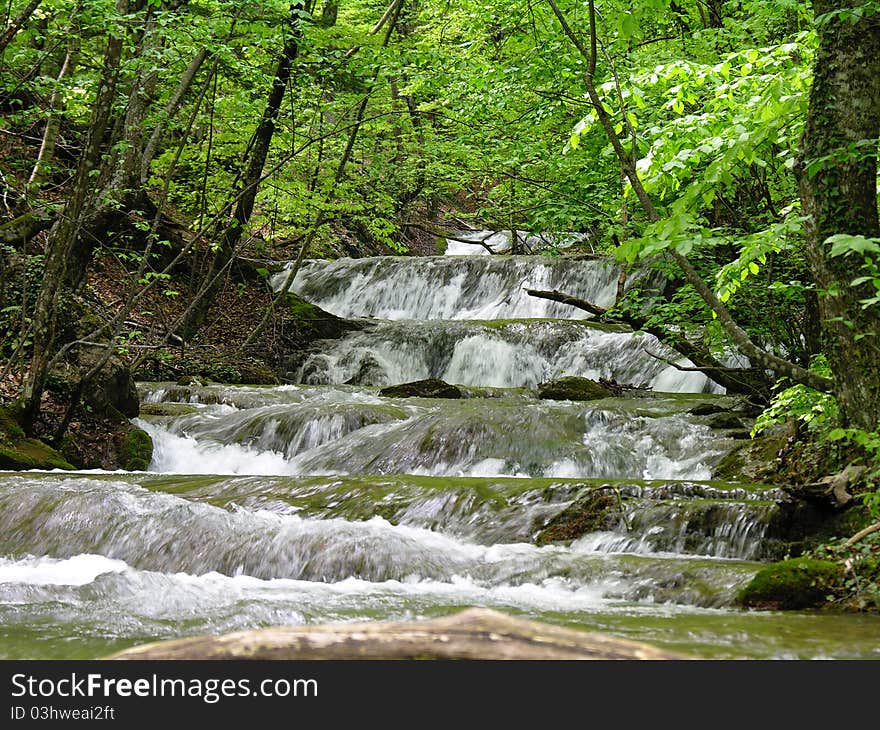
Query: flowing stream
[(322, 501)]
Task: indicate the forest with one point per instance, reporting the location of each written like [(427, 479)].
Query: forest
[(228, 230)]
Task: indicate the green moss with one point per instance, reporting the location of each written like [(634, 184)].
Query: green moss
[(31, 454), (572, 388), (753, 460), (167, 409), (136, 450), (429, 388), (18, 452), (300, 309), (9, 429), (585, 515), (791, 585)]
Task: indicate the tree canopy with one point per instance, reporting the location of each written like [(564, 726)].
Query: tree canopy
[(732, 145)]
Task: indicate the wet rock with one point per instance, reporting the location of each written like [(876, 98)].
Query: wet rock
[(18, 452), (429, 388), (135, 450), (590, 513), (751, 461), (725, 420), (369, 372), (167, 409), (573, 388), (477, 633), (706, 409), (791, 585)]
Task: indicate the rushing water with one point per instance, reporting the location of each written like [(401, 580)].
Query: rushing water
[(322, 501)]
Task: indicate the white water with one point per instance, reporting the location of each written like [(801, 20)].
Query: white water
[(515, 354), (347, 434), (484, 242), (452, 287), (444, 499)]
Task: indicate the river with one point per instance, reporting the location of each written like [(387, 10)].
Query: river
[(322, 501)]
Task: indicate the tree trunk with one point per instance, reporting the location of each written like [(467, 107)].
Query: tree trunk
[(53, 121), (329, 13), (262, 140), (17, 22), (837, 176), (66, 230)]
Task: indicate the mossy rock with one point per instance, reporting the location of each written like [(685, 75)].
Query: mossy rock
[(706, 409), (791, 585), (9, 429), (724, 420), (18, 452), (752, 461), (136, 450), (31, 454), (167, 409), (587, 514), (429, 388), (573, 388)]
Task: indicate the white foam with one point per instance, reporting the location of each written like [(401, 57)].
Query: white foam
[(76, 571)]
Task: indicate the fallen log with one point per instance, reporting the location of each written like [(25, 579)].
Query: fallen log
[(475, 633)]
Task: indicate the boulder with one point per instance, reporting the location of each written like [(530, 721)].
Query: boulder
[(791, 585), (429, 388), (476, 633), (573, 388), (706, 409), (589, 513), (18, 452), (724, 421)]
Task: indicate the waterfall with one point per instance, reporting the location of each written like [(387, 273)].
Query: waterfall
[(322, 500), (454, 287)]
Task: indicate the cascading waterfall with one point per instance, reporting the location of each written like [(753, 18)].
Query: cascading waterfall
[(454, 287), (321, 500), (469, 320)]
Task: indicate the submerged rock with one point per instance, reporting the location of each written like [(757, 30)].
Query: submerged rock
[(428, 388), (573, 388)]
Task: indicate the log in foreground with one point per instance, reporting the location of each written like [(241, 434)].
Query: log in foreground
[(475, 633)]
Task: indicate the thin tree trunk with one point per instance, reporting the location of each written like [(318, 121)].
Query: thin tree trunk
[(66, 230), (329, 13), (17, 22), (837, 177), (244, 208), (171, 109), (746, 381), (392, 13), (53, 121)]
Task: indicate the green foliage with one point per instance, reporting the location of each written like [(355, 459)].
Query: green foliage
[(859, 585), (817, 411)]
